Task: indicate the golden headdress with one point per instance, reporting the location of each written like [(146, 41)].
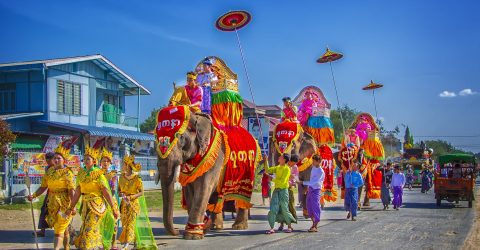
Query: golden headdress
[(129, 160), (192, 75), (92, 152), (106, 154), (61, 150)]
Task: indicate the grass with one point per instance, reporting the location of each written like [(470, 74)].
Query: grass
[(24, 206), (155, 202)]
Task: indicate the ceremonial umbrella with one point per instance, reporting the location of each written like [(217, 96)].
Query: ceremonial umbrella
[(330, 56), (233, 21), (373, 86)]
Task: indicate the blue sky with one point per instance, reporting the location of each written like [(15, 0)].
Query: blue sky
[(417, 49)]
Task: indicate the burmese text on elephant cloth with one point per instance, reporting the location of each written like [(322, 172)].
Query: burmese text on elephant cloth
[(285, 134), (171, 121), (238, 172)]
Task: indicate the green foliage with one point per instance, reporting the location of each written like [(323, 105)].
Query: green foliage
[(6, 137), (441, 147), (24, 206), (150, 123), (348, 114), (154, 200)]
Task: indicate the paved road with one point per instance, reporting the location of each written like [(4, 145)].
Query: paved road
[(419, 224)]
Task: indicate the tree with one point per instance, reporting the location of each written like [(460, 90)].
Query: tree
[(149, 124), (6, 137), (441, 147), (348, 114)]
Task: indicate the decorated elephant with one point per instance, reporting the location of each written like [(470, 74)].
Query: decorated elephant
[(215, 153)]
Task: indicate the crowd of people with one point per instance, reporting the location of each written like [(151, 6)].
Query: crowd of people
[(99, 190)]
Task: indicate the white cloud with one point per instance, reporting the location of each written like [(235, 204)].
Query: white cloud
[(447, 94), (467, 92)]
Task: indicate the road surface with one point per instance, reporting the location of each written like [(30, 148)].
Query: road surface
[(419, 224)]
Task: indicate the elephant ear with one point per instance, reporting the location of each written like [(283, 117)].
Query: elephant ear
[(204, 130)]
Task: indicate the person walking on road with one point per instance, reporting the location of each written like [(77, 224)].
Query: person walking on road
[(279, 211), (292, 182), (427, 177), (386, 180), (317, 176), (42, 221), (353, 180), (398, 182)]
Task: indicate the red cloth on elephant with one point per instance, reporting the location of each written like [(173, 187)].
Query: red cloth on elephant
[(328, 166), (284, 133), (170, 121), (374, 180), (237, 175)]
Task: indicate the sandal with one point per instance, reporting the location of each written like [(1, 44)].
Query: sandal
[(271, 231), (312, 230), (288, 230)]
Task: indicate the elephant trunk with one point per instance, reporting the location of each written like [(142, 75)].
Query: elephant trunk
[(168, 185)]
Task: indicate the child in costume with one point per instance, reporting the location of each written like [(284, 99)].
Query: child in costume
[(265, 186), (306, 108), (289, 111), (97, 224), (353, 180), (105, 163), (60, 184), (132, 207), (315, 184), (398, 181), (205, 79), (363, 128), (386, 180), (279, 211)]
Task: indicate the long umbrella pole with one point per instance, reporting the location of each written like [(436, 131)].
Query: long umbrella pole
[(28, 183), (249, 86), (338, 100), (375, 105)]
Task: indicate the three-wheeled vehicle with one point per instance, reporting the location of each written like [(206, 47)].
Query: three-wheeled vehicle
[(455, 179)]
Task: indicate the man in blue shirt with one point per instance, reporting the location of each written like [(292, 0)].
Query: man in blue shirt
[(353, 180)]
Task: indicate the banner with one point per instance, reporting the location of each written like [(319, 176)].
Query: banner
[(33, 163), (254, 127)]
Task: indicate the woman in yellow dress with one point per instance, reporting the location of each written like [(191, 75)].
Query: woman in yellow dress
[(130, 189), (59, 182), (111, 176), (93, 187)]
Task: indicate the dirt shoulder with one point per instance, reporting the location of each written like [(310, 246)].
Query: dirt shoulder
[(473, 239)]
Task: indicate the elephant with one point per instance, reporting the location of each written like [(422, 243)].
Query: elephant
[(192, 141)]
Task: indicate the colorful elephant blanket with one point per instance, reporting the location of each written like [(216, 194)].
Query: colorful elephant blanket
[(171, 121), (284, 134), (238, 173)]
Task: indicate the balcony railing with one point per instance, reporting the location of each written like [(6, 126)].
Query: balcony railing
[(116, 118)]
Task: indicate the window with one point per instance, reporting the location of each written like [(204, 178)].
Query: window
[(7, 98), (69, 98)]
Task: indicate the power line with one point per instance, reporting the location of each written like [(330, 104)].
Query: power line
[(447, 136)]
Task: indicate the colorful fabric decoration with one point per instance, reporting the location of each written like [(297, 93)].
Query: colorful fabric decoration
[(328, 166), (284, 134), (368, 131), (227, 109), (200, 164), (171, 122), (373, 180), (238, 173)]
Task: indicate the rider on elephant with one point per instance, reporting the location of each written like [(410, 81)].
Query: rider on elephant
[(191, 94), (289, 111), (206, 78)]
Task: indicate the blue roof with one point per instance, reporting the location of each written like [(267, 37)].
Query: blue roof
[(101, 131)]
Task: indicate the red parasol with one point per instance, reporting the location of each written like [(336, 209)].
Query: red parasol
[(329, 56), (233, 20)]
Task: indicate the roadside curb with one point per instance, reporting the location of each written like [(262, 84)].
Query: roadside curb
[(473, 238)]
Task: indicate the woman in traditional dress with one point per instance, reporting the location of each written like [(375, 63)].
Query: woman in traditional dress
[(111, 176), (97, 226), (59, 182), (289, 111), (133, 207), (427, 177)]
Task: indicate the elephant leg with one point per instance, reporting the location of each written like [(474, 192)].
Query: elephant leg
[(241, 222), (196, 204), (360, 195), (366, 200), (217, 221)]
